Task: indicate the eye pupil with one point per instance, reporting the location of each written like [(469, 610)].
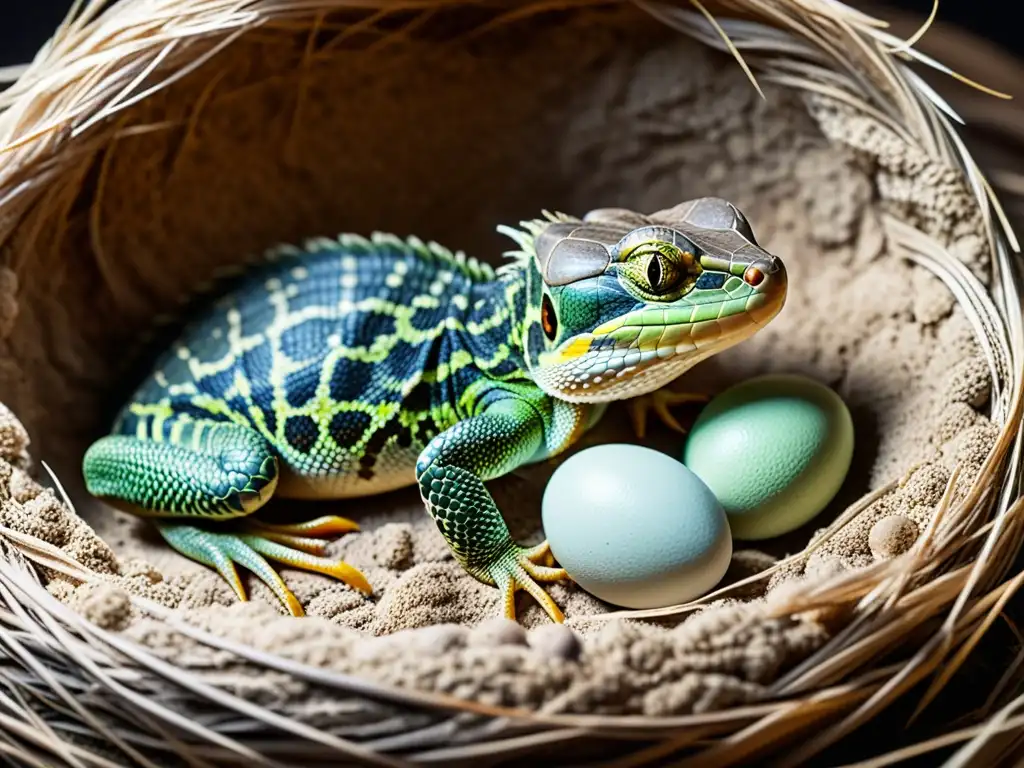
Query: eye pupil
[(654, 272), (548, 321)]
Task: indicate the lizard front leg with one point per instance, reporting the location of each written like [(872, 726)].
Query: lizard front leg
[(451, 473)]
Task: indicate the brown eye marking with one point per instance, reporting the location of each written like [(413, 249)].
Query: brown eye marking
[(548, 321), (753, 276)]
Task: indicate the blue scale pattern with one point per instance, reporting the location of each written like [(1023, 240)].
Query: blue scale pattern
[(336, 279)]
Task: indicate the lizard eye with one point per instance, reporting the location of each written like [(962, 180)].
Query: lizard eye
[(663, 273), (548, 320), (657, 268)]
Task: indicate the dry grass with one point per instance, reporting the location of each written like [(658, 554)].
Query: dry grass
[(74, 693)]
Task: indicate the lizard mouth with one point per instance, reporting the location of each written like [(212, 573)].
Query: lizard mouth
[(643, 351)]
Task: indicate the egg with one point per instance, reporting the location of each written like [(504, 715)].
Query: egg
[(774, 449), (634, 527)]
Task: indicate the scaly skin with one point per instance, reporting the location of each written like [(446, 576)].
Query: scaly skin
[(354, 367)]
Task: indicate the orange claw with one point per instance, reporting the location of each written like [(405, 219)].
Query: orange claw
[(327, 525)]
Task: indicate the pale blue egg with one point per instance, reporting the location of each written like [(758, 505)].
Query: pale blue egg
[(634, 527)]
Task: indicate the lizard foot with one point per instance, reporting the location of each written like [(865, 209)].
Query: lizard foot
[(519, 568), (660, 401), (253, 542), (540, 554)]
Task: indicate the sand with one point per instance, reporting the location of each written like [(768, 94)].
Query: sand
[(815, 181)]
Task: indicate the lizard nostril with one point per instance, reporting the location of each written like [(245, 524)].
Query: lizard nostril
[(753, 276)]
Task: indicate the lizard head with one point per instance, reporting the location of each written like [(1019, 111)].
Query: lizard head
[(619, 304)]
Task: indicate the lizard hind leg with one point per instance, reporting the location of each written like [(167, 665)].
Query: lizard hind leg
[(194, 483), (202, 470)]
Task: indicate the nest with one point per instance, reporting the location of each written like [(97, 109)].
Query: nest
[(151, 144)]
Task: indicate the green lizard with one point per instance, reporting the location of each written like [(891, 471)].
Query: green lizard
[(356, 366)]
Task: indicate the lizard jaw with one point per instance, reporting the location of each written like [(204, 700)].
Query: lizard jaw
[(607, 374)]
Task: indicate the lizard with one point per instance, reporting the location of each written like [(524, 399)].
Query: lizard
[(354, 366)]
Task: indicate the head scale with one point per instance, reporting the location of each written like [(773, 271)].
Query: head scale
[(620, 304)]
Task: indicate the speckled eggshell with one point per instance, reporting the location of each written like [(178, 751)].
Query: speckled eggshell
[(634, 527), (774, 450)]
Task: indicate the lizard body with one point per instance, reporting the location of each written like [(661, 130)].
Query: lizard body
[(356, 366)]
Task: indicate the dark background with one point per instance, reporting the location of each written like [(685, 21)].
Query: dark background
[(25, 24)]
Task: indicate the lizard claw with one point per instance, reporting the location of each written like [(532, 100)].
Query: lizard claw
[(660, 401), (540, 554), (253, 543), (526, 568)]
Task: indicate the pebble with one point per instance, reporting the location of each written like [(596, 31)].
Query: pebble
[(433, 639), (440, 637), (556, 640), (892, 536), (497, 631)]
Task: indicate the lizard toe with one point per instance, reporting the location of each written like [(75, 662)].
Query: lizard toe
[(518, 571), (224, 550)]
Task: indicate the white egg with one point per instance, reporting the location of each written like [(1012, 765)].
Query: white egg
[(636, 528)]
